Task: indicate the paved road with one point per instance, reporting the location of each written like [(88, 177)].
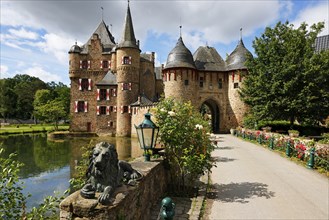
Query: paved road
[(251, 182)]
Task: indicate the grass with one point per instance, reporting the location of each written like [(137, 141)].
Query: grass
[(25, 128)]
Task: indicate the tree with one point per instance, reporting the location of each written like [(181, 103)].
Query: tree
[(42, 97), (8, 99), (288, 80), (185, 136), (53, 111)]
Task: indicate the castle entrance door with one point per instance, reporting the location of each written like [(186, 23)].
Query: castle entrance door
[(210, 111)]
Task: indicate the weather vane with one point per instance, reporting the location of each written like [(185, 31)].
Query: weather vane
[(102, 13), (180, 26), (240, 33)]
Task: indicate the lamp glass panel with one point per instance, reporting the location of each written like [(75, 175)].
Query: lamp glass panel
[(147, 132)]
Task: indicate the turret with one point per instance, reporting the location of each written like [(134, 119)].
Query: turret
[(179, 74), (127, 67)]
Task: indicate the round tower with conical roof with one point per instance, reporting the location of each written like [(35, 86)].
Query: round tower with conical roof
[(179, 74), (127, 70), (237, 70)]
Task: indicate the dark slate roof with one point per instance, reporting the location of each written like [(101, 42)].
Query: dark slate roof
[(75, 48), (322, 43), (107, 40), (207, 58), (180, 56), (109, 79), (238, 57), (142, 101), (128, 36), (158, 72)]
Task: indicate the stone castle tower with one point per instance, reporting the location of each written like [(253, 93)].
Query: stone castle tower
[(205, 79), (113, 84), (106, 78)]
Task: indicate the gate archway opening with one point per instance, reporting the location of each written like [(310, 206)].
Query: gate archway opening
[(210, 111)]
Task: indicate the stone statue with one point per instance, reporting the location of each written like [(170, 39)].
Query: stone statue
[(105, 173)]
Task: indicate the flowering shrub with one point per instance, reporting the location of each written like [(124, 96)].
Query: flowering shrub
[(300, 148), (185, 135)]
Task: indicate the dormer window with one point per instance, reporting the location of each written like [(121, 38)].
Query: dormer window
[(105, 64), (84, 64)]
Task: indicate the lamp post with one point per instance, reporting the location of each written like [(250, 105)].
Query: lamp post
[(147, 133)]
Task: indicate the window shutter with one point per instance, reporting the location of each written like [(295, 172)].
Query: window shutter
[(80, 64), (89, 84), (75, 106), (122, 58), (232, 76), (129, 86), (164, 76), (107, 94), (107, 110), (101, 65), (98, 95), (129, 109), (129, 60), (97, 109), (114, 92), (121, 109), (88, 64), (110, 64), (86, 106), (121, 86), (80, 88), (114, 108)]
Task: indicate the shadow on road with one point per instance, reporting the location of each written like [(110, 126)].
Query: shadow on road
[(222, 159), (239, 192), (225, 148)]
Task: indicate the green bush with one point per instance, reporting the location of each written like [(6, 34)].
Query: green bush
[(185, 135)]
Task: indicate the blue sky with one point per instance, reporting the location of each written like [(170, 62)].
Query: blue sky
[(36, 35)]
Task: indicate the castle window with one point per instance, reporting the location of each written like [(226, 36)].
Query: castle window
[(80, 106), (84, 84), (84, 64), (125, 109), (236, 85), (201, 82), (126, 60), (186, 82), (105, 64), (110, 123), (126, 86), (102, 110), (220, 83), (102, 94), (210, 85), (114, 92)]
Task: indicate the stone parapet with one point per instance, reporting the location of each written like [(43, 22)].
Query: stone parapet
[(130, 202)]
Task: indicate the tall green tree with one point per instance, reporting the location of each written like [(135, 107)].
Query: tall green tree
[(52, 111), (287, 78), (8, 99)]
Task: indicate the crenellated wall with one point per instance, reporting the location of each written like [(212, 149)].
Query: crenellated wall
[(130, 203)]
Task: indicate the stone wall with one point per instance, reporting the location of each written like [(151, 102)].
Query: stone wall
[(130, 202)]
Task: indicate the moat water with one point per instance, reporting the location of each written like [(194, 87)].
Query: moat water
[(50, 164)]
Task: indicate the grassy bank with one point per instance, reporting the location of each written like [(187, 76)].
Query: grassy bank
[(23, 128)]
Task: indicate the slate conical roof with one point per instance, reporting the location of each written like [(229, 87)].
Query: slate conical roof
[(207, 58), (128, 35), (238, 57), (107, 40), (180, 56)]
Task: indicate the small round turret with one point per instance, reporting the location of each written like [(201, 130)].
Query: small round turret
[(75, 48)]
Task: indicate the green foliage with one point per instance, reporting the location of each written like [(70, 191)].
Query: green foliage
[(17, 96), (13, 201), (12, 205), (52, 111), (185, 135), (325, 139), (287, 80)]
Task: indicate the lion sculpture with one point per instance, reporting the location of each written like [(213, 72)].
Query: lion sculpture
[(105, 173)]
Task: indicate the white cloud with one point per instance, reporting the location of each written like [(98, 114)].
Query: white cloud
[(38, 71), (23, 33), (3, 71), (314, 14)]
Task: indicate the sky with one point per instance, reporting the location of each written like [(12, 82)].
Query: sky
[(37, 35)]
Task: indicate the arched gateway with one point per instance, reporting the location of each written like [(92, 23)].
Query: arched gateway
[(210, 111)]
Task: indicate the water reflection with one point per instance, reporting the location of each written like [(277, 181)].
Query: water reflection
[(50, 164)]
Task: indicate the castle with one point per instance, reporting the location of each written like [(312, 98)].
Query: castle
[(114, 84)]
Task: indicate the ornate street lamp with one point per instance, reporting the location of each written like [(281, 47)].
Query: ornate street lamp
[(147, 133)]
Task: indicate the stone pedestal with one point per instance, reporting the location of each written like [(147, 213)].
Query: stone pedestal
[(129, 202)]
